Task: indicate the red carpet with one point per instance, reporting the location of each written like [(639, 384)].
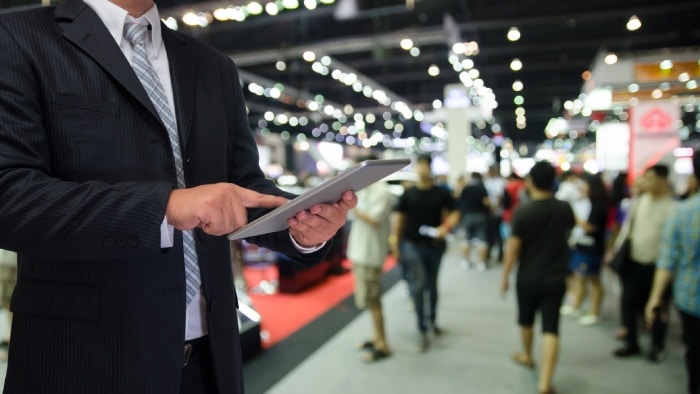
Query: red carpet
[(283, 314)]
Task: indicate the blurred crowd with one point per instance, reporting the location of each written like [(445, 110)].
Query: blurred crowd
[(561, 230)]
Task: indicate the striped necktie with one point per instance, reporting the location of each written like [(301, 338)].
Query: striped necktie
[(136, 35)]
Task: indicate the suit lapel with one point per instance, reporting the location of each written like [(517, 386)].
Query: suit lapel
[(183, 74), (86, 31)]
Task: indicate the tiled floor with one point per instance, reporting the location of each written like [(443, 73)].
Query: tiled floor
[(473, 355)]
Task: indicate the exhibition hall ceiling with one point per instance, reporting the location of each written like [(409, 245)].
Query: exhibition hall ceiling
[(359, 62)]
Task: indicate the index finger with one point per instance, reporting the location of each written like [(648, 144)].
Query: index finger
[(269, 201)]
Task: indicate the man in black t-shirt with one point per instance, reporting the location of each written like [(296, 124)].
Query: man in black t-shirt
[(540, 230), (422, 207)]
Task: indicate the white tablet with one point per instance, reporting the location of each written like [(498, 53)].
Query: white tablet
[(330, 191)]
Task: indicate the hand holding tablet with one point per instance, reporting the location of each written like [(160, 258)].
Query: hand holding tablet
[(330, 191)]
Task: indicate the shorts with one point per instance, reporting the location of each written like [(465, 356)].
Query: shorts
[(8, 278), (585, 264), (545, 298), (368, 286), (475, 226)]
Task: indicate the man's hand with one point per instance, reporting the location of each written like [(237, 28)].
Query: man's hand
[(217, 209), (322, 221)]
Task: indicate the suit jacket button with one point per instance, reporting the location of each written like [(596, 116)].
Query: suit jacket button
[(109, 242), (134, 241)]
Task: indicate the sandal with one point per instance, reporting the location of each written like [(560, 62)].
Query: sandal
[(366, 345), (375, 354), (520, 359)]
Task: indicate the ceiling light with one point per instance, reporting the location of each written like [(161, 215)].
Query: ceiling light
[(220, 14), (472, 48), (467, 64), (633, 23), (281, 65), (190, 19), (610, 58), (683, 77), (657, 94), (171, 23), (633, 88), (517, 85), (459, 48), (310, 4), (516, 65), (513, 34), (406, 44), (691, 85), (665, 86), (520, 111), (518, 100), (415, 52), (309, 56), (586, 75), (666, 65), (254, 8), (271, 8), (433, 70)]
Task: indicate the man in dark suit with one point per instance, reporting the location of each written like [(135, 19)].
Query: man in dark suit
[(93, 200)]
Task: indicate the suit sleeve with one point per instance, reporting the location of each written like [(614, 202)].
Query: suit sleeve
[(43, 215)]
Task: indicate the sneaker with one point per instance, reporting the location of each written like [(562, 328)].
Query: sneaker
[(568, 310), (423, 343), (437, 330), (588, 319), (627, 351), (656, 355)]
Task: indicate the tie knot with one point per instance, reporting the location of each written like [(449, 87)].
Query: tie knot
[(135, 33)]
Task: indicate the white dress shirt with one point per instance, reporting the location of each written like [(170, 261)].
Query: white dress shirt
[(114, 18)]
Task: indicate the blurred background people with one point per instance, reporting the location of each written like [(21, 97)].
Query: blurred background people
[(424, 204), (644, 225), (367, 249), (679, 264), (515, 189), (495, 186), (587, 258), (473, 205), (540, 230)]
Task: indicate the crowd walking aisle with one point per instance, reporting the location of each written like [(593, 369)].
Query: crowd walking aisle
[(473, 355)]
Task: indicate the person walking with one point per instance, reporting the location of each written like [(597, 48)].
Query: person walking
[(643, 226), (423, 206), (678, 266), (368, 247), (539, 242)]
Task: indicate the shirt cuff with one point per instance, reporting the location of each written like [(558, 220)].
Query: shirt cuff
[(166, 234), (306, 250)]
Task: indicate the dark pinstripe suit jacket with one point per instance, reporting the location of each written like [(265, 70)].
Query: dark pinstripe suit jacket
[(85, 174)]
